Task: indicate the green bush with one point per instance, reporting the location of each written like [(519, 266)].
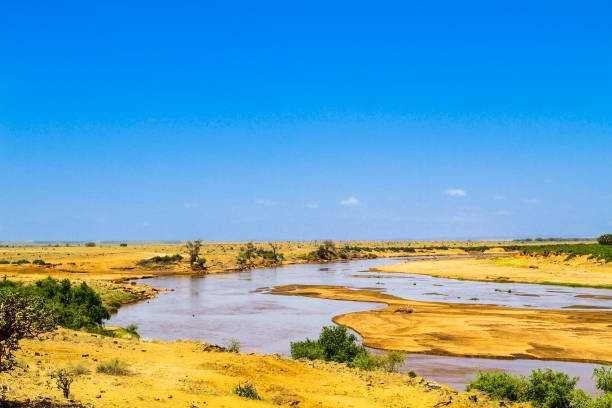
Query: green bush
[(605, 239), (549, 389), (308, 349), (4, 262), (499, 385), (63, 379), (247, 390), (603, 376), (366, 361), (20, 262), (39, 262), (123, 244), (335, 343), (113, 367), (75, 306), (543, 388)]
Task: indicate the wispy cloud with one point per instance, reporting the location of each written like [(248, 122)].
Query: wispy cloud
[(456, 192), (312, 205), (499, 197), (264, 202), (350, 201), (530, 201)]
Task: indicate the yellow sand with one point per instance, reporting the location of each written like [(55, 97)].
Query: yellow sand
[(180, 374), (471, 330), (525, 269)]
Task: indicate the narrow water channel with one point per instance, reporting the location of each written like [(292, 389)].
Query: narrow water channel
[(216, 308)]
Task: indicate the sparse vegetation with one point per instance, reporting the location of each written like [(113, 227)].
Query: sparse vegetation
[(132, 330), (246, 390), (113, 367), (90, 244)]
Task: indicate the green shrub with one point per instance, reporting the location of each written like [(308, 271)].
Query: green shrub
[(123, 244), (132, 330), (603, 376), (20, 262), (499, 385), (549, 389), (393, 360), (308, 349), (366, 361), (412, 374), (247, 390), (90, 244), (113, 367), (233, 345), (75, 306), (4, 262), (605, 239), (335, 343), (543, 388), (338, 344), (39, 262)]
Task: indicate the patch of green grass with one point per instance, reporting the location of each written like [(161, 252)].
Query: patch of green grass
[(246, 390)]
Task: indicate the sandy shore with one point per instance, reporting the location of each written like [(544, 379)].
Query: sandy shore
[(472, 330), (524, 269)]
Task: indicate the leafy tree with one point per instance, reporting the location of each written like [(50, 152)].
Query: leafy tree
[(247, 254), (605, 239), (22, 316), (499, 385), (193, 248)]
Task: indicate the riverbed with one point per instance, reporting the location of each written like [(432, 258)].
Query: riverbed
[(217, 308)]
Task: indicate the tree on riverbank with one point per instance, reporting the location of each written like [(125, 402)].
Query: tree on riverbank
[(605, 239), (22, 316)]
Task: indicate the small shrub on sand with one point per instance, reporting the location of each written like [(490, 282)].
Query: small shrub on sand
[(63, 379), (233, 345), (113, 367), (246, 390), (78, 369)]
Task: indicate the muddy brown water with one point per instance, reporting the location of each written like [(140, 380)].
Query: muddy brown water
[(216, 308)]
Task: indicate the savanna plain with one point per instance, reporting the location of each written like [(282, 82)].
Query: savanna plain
[(68, 355)]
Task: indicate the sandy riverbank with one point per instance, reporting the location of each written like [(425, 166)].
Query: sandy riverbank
[(471, 330), (181, 374), (523, 269)]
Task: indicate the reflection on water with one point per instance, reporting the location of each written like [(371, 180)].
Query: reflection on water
[(216, 308)]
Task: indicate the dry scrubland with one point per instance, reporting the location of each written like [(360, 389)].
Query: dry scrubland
[(181, 374)]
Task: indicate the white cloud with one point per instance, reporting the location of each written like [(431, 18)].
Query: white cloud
[(456, 192), (350, 201), (191, 205), (264, 202), (312, 205), (503, 212), (530, 201), (499, 197)]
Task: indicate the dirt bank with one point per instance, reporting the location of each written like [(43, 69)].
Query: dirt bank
[(182, 374)]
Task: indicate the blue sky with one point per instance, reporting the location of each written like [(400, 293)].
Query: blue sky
[(310, 120)]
